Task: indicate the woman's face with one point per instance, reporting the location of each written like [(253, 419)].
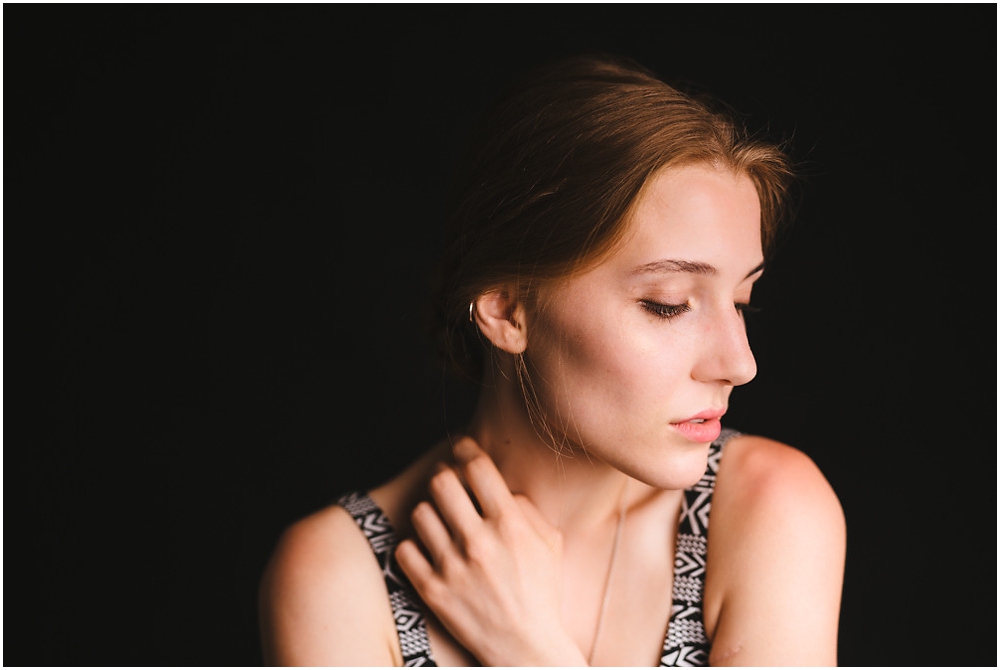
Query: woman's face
[(635, 359)]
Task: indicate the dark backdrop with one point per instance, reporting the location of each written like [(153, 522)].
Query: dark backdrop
[(221, 215)]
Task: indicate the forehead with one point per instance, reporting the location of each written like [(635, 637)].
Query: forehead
[(696, 213), (697, 221)]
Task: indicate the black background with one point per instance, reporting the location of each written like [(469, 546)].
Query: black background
[(219, 218)]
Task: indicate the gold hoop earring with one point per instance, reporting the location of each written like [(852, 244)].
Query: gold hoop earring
[(472, 307)]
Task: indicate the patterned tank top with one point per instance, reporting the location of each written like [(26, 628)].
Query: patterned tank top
[(685, 643)]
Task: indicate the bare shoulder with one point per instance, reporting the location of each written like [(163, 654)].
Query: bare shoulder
[(777, 481), (323, 599), (777, 543)]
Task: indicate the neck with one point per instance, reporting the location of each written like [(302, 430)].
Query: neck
[(571, 489)]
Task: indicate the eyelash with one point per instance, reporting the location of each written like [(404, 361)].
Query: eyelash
[(668, 312)]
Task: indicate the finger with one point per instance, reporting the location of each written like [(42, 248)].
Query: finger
[(415, 565), (454, 505), (432, 532), (487, 484)]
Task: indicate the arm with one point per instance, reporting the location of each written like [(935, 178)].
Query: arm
[(777, 543), (323, 600)]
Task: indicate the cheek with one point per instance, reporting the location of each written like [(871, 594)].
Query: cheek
[(603, 366)]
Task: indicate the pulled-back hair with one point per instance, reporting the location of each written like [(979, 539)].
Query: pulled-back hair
[(549, 181)]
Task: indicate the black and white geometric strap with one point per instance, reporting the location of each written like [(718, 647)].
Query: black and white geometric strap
[(686, 643), (407, 608)]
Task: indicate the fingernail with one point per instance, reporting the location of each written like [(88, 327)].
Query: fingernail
[(464, 450)]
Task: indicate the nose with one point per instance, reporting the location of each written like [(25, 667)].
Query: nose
[(725, 355)]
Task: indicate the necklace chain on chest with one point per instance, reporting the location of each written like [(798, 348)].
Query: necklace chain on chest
[(611, 569)]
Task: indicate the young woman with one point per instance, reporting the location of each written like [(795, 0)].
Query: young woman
[(606, 235)]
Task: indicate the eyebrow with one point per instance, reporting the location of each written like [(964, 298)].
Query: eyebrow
[(692, 267)]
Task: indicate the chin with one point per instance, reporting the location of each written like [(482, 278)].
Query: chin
[(679, 470)]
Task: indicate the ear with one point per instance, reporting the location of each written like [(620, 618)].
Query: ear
[(501, 318)]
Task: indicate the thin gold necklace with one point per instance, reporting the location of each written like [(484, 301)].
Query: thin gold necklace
[(611, 570)]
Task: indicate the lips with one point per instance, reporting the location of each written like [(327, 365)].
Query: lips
[(703, 428)]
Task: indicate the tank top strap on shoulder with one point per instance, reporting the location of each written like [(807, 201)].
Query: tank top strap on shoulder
[(686, 643), (407, 608)]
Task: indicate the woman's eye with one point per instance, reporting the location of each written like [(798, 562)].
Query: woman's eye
[(664, 311), (745, 309)]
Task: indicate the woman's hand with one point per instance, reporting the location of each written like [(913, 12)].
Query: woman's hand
[(493, 576)]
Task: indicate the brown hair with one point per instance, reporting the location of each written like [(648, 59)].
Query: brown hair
[(549, 180)]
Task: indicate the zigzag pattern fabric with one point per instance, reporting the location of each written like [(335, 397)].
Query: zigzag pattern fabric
[(407, 607), (685, 643)]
